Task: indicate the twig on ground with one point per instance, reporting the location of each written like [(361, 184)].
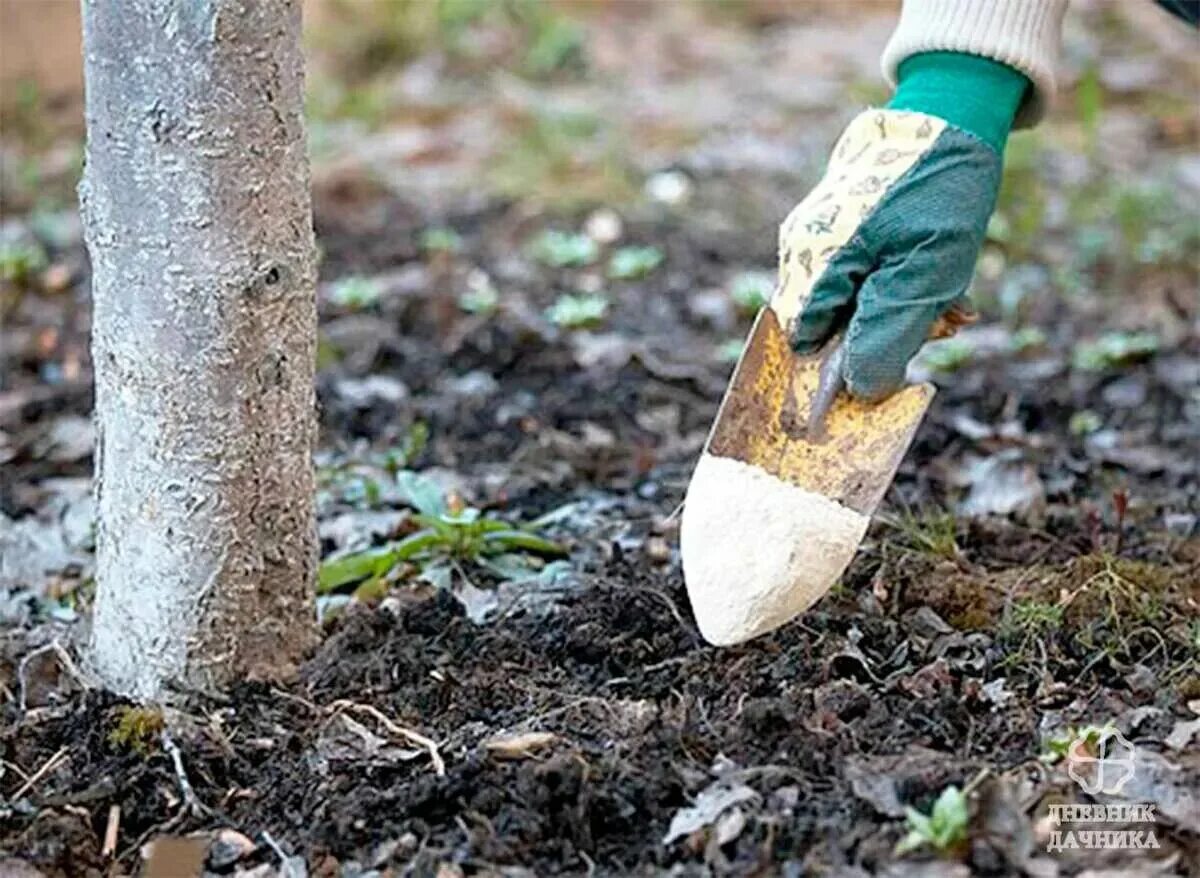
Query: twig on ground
[(288, 867), (5, 764), (984, 774), (65, 660), (408, 734), (343, 704), (111, 831), (48, 766), (193, 804)]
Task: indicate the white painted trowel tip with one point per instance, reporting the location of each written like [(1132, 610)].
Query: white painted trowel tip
[(756, 550)]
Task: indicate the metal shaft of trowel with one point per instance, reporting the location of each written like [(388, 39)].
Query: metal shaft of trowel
[(829, 384)]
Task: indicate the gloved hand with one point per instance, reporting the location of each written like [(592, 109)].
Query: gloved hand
[(891, 234)]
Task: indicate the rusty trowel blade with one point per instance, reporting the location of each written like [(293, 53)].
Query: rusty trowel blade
[(763, 422), (773, 514)]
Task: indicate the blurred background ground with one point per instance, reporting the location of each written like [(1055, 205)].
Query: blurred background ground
[(545, 228)]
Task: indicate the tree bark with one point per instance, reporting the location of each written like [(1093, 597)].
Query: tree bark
[(197, 215)]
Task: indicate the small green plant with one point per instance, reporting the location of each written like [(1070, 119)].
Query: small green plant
[(1114, 350), (948, 355), (1022, 201), (565, 158), (480, 301), (730, 350), (931, 533), (410, 448), (944, 829), (577, 312), (751, 290), (1033, 617), (23, 114), (554, 44), (564, 249), (1058, 746), (631, 263), (480, 297), (1089, 104), (137, 729), (439, 239), (1028, 338), (21, 261), (356, 292), (449, 532), (1084, 422)]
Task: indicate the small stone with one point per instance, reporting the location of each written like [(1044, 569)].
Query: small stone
[(649, 490), (475, 384), (373, 389), (658, 550), (1180, 524), (56, 278), (227, 847), (842, 698), (671, 188), (384, 852), (604, 226)]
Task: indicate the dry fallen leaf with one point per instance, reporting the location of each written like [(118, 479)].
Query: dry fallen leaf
[(519, 746)]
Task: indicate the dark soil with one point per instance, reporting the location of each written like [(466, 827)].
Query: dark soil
[(643, 715)]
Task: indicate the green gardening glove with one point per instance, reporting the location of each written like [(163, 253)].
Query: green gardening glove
[(891, 234)]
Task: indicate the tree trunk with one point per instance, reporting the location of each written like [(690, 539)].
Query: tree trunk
[(197, 215)]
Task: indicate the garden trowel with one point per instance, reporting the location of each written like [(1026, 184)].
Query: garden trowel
[(793, 468)]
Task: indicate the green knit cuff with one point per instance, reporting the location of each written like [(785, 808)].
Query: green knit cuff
[(971, 92)]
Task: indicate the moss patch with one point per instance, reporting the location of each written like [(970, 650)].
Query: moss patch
[(137, 729)]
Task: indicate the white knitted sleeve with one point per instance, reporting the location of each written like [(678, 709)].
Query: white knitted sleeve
[(1024, 34)]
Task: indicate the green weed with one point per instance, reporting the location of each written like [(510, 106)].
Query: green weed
[(751, 290), (930, 533), (405, 454), (449, 532), (631, 263), (553, 42), (948, 355), (1114, 350), (730, 350), (1057, 746), (480, 297), (577, 312), (21, 261), (1089, 105), (1084, 422), (565, 159), (356, 292), (1021, 204), (441, 240), (1031, 618), (944, 829), (564, 249), (1026, 339), (23, 115)]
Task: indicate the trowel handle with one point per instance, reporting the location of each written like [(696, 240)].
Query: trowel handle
[(829, 384)]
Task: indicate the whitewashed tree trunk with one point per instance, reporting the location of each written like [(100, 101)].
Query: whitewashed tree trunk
[(198, 218)]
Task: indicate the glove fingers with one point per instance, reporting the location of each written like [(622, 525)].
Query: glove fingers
[(832, 301), (893, 319)]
